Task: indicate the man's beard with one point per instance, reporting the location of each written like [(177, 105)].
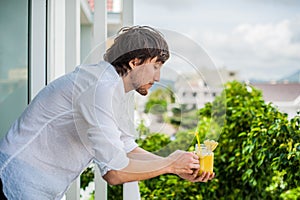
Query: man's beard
[(143, 91)]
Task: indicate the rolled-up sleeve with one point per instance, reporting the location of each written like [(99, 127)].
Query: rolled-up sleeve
[(129, 142), (97, 107)]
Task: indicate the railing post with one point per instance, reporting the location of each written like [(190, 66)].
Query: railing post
[(72, 53), (56, 39), (99, 37), (72, 38), (37, 60), (127, 13), (100, 25), (131, 191), (73, 192), (100, 186)]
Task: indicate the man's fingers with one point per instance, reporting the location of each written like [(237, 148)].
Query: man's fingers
[(194, 176), (195, 173), (195, 157), (211, 176), (196, 161), (205, 176), (194, 166)]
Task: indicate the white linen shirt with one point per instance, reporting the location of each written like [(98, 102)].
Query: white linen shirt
[(81, 117)]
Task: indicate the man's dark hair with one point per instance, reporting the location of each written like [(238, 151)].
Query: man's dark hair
[(142, 42)]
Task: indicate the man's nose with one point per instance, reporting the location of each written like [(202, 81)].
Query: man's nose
[(157, 76)]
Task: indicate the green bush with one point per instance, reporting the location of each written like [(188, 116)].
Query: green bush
[(86, 177), (154, 142), (142, 129), (258, 156), (166, 187), (158, 100), (183, 118), (156, 106)]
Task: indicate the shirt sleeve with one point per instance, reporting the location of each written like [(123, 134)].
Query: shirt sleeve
[(126, 122), (98, 106), (129, 142)]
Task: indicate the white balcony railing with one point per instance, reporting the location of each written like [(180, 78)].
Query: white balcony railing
[(130, 190)]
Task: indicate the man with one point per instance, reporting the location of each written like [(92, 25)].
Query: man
[(82, 117)]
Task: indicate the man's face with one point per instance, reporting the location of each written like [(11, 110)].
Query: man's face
[(145, 75)]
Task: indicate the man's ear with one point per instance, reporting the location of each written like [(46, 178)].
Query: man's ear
[(134, 62)]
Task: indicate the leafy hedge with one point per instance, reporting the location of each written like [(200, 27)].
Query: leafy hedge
[(259, 150), (258, 156), (158, 100)]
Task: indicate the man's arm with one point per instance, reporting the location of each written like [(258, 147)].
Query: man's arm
[(145, 165)]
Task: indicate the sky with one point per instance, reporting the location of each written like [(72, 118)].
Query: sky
[(259, 39)]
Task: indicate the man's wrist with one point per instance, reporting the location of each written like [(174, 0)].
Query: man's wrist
[(169, 169)]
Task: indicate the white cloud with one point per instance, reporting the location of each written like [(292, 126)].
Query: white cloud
[(263, 40), (269, 39), (257, 48)]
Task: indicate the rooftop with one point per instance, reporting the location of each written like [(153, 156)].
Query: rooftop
[(279, 91)]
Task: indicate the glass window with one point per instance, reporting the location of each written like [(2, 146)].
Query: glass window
[(13, 61)]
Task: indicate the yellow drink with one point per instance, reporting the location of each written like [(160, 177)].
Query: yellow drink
[(206, 163), (206, 159)]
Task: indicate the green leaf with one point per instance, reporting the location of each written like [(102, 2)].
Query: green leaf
[(242, 134)]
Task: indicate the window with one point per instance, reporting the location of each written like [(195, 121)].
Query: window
[(231, 74), (13, 61)]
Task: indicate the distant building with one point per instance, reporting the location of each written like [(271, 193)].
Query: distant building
[(286, 96), (194, 90)]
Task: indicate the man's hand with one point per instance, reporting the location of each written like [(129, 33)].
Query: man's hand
[(183, 162), (145, 165), (186, 165), (194, 177)]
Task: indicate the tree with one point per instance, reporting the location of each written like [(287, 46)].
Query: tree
[(258, 155), (159, 100)]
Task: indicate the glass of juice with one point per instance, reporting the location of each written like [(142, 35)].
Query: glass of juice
[(206, 158)]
